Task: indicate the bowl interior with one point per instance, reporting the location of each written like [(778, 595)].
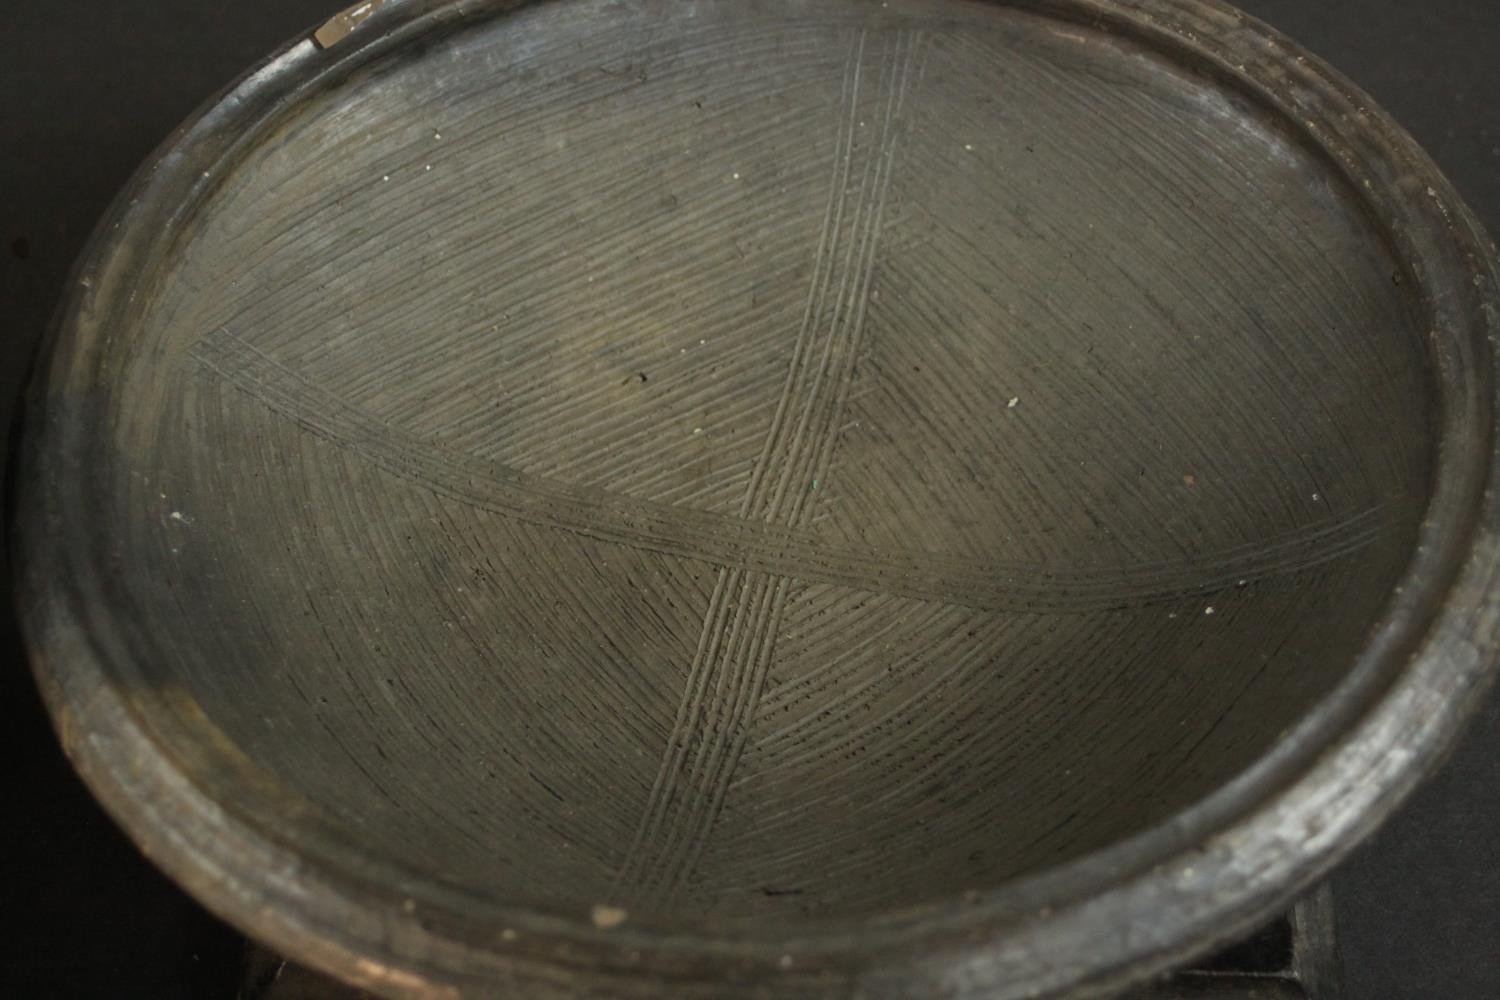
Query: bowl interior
[(772, 461)]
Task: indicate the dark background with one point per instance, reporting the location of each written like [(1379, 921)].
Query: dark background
[(89, 87)]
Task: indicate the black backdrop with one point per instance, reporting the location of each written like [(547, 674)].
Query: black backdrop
[(89, 87)]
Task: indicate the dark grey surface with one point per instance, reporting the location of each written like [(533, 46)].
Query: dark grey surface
[(1419, 907), (96, 86)]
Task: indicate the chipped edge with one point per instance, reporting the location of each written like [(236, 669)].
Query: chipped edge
[(339, 26)]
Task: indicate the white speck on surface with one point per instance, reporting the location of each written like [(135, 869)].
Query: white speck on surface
[(1317, 497), (736, 176), (437, 135), (1171, 614), (178, 515), (428, 167), (701, 342), (1208, 611), (969, 147), (1014, 402), (607, 917), (507, 935), (697, 430), (205, 173), (386, 177), (1431, 193)]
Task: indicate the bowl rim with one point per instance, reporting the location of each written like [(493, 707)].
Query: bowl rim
[(1086, 926)]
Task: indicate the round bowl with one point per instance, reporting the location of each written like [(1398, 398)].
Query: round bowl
[(716, 499)]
